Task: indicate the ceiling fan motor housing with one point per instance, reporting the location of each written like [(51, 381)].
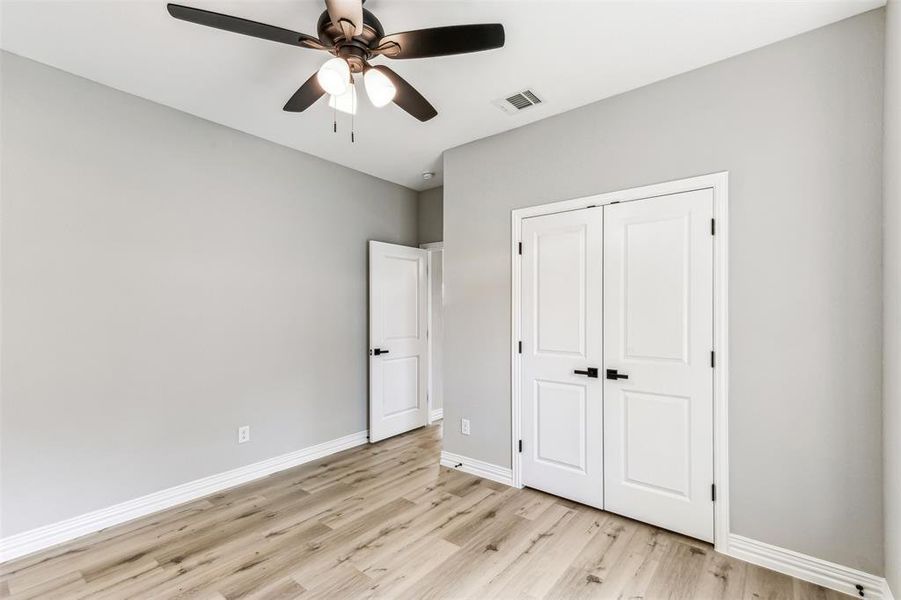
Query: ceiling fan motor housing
[(356, 51)]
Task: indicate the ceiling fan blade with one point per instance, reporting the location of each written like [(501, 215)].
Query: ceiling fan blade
[(347, 15), (243, 26), (441, 41), (407, 97), (305, 95)]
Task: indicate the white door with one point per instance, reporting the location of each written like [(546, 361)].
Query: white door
[(562, 410), (658, 338), (397, 340)]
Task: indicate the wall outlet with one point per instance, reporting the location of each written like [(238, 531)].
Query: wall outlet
[(464, 426), (243, 434)]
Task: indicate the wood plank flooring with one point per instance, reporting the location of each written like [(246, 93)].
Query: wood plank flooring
[(385, 521)]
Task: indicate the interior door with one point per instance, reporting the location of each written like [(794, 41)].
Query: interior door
[(658, 338), (397, 336), (562, 415)]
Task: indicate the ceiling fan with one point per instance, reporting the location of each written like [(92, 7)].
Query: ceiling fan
[(354, 36)]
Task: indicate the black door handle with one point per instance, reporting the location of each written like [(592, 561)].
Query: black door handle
[(590, 371), (379, 351), (614, 374)]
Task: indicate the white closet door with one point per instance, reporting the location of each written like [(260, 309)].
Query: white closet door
[(398, 367), (658, 332), (562, 411)]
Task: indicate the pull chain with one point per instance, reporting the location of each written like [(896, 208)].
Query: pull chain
[(353, 112)]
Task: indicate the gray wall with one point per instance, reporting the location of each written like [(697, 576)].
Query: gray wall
[(892, 304), (799, 127), (431, 217), (166, 280)]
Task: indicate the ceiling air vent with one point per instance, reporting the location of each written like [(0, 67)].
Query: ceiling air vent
[(514, 103)]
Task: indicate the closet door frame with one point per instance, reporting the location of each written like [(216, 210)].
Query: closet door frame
[(719, 183)]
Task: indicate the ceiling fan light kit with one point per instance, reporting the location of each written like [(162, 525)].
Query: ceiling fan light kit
[(334, 76), (378, 87), (346, 102), (354, 36)]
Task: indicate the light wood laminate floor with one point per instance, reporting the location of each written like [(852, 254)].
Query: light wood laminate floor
[(385, 521)]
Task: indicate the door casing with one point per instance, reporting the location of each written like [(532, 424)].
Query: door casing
[(719, 183)]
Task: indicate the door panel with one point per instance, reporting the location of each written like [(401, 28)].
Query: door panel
[(562, 425), (400, 316), (560, 289), (655, 289), (400, 385), (397, 316), (658, 331), (558, 406), (662, 422)]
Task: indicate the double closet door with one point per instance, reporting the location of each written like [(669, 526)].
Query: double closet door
[(617, 335)]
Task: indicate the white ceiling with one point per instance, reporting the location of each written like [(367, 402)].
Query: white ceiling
[(571, 52)]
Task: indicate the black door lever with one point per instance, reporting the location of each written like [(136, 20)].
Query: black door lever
[(590, 371), (614, 374), (379, 351)]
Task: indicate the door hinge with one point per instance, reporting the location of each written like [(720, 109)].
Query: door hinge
[(713, 492), (520, 347), (520, 445), (520, 248), (712, 226), (712, 359)]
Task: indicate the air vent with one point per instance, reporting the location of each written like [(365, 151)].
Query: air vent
[(517, 102)]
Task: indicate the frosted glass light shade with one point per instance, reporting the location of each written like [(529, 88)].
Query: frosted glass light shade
[(346, 102), (334, 76), (378, 87)]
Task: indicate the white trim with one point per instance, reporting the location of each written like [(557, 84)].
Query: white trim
[(478, 468), (886, 591), (44, 537), (719, 182), (721, 523), (815, 570), (432, 246), (437, 414)]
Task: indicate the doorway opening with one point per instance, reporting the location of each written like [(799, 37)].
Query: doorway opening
[(435, 329)]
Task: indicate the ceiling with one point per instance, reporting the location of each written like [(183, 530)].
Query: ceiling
[(241, 82)]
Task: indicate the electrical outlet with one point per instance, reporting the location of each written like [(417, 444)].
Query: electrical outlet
[(243, 434), (464, 426)]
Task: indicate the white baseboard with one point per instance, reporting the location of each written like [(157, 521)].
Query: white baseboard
[(815, 570), (436, 415), (44, 537), (477, 467)]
